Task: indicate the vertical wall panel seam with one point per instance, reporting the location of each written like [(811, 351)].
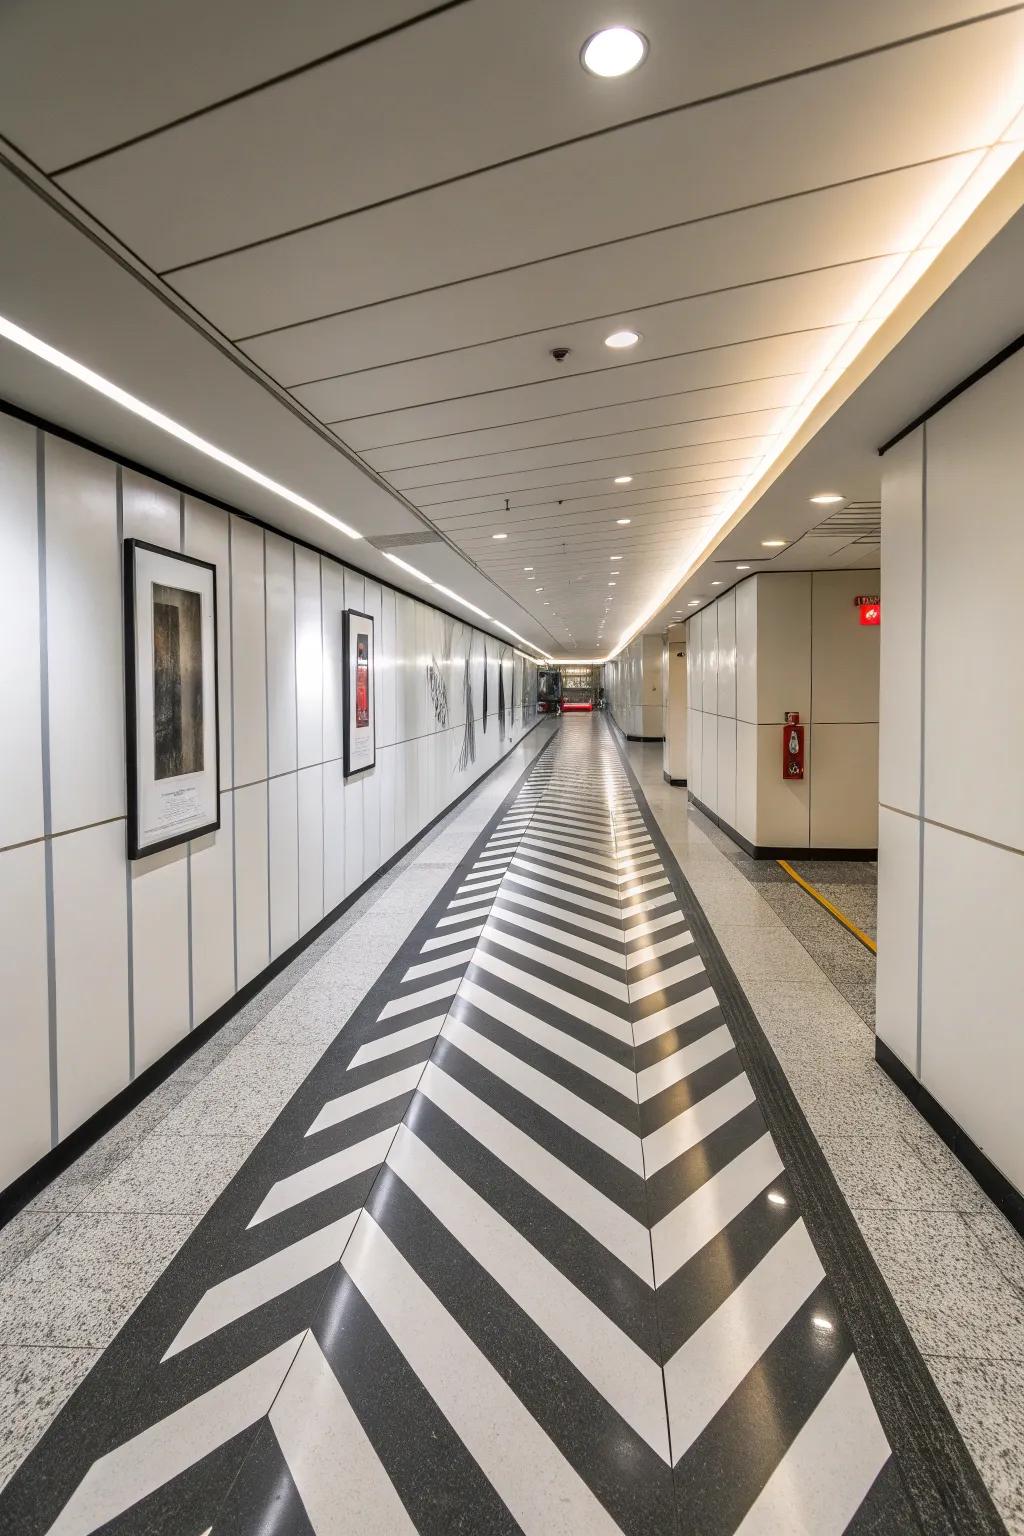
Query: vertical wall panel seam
[(44, 739), (266, 699), (298, 754), (231, 659), (921, 749), (810, 711), (323, 748), (188, 845), (129, 904)]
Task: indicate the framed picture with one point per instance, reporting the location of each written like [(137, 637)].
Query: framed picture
[(357, 674), (172, 740)]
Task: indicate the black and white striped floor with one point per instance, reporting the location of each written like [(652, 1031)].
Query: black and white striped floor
[(521, 1255)]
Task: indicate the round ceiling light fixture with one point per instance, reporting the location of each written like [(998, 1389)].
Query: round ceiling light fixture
[(773, 543), (619, 339), (694, 602), (827, 498), (623, 479), (499, 535), (613, 51), (622, 521), (743, 567)]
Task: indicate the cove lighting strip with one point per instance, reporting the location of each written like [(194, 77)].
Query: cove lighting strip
[(411, 570), (973, 176), (42, 349), (22, 338)]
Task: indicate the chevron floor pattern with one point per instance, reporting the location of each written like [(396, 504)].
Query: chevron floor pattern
[(521, 1256)]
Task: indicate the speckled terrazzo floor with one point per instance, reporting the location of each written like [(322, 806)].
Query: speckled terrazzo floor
[(953, 1263)]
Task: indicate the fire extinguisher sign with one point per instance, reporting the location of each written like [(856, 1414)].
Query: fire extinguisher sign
[(792, 746)]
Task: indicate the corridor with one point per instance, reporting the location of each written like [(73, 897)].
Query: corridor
[(542, 1244)]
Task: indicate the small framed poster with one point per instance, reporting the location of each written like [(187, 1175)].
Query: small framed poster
[(357, 674), (172, 741)]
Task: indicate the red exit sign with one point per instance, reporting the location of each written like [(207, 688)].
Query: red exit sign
[(870, 609)]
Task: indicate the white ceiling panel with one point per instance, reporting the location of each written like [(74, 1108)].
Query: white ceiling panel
[(589, 426), (833, 296), (844, 223), (764, 144), (625, 446), (117, 68), (632, 381), (681, 482), (471, 87), (565, 480)]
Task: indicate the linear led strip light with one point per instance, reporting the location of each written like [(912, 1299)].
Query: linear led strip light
[(447, 592), (42, 349), (974, 174)]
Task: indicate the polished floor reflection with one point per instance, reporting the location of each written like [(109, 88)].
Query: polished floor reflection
[(522, 1253)]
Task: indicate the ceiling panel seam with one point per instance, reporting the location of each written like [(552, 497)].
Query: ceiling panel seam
[(599, 133)]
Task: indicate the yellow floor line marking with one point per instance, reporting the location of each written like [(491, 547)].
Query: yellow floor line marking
[(824, 901)]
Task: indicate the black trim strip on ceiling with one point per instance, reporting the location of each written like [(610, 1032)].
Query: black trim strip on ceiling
[(951, 394), (8, 408)]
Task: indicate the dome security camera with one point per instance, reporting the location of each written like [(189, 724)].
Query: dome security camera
[(560, 354)]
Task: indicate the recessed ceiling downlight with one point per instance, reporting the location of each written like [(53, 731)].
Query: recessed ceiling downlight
[(623, 479), (619, 339), (499, 535), (613, 51), (622, 521), (827, 498)]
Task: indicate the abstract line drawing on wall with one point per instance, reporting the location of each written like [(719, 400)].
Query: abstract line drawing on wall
[(467, 754), (501, 692), (437, 678), (171, 731), (484, 710)]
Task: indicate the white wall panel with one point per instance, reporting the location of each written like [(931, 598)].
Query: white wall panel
[(333, 592), (334, 835), (355, 591), (25, 1080), (726, 610), (386, 772), (353, 834), (284, 862), (694, 663), (783, 805), (310, 791), (899, 762), (21, 784), (694, 751), (160, 953), (207, 537), (898, 914), (371, 820), (844, 787), (709, 757), (248, 653), (746, 780), (844, 652), (972, 981), (726, 793), (783, 646), (211, 871), (84, 638), (974, 559), (709, 659), (252, 912), (746, 651), (309, 669), (150, 510), (387, 660), (281, 702), (90, 933)]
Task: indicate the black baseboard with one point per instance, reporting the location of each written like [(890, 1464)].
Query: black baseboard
[(670, 780), (760, 851), (28, 1184), (995, 1184), (643, 738)]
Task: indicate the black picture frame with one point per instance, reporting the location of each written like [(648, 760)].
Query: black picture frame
[(135, 848), (348, 614)]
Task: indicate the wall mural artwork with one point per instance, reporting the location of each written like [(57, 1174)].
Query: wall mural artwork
[(468, 753), (358, 689), (437, 678), (486, 664), (501, 693), (173, 766)]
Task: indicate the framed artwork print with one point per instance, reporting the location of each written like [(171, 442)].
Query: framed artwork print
[(357, 674), (172, 739)]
